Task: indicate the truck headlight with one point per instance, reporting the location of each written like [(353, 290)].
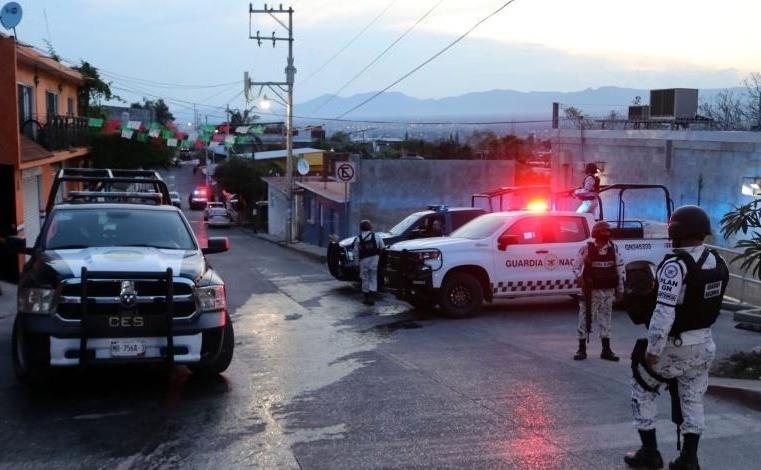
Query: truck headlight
[(211, 298), (430, 258), (36, 300)]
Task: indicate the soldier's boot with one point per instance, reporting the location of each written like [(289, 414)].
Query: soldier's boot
[(647, 456), (608, 353), (688, 458), (581, 353), (368, 299)]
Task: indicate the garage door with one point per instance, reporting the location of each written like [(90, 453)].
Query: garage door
[(31, 181)]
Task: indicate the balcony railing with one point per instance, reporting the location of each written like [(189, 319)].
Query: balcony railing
[(59, 132)]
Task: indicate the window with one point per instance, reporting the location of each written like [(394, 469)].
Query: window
[(25, 104), (565, 230), (51, 101), (528, 231), (481, 227), (460, 218), (70, 106)]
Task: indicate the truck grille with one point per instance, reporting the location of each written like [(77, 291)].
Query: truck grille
[(103, 298), (393, 261)]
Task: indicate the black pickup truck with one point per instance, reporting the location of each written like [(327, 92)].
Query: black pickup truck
[(344, 266), (117, 276)]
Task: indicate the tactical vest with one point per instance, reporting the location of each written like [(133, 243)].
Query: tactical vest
[(368, 246), (600, 270), (704, 292), (596, 188)]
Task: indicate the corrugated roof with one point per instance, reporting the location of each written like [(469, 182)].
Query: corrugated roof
[(335, 191)]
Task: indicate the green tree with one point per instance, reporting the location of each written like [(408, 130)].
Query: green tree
[(112, 151), (93, 91), (746, 219), (159, 107), (243, 176), (244, 118)]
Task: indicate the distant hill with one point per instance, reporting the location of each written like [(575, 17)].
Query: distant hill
[(493, 103)]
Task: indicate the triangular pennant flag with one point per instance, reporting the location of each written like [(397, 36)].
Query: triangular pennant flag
[(112, 125), (218, 137), (95, 122), (167, 134), (134, 125), (171, 142), (127, 133), (209, 128), (185, 144), (155, 125), (230, 139), (242, 139), (199, 145), (258, 130)]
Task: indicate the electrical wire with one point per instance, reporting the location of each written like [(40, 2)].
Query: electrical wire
[(348, 44), (378, 57), (429, 60)]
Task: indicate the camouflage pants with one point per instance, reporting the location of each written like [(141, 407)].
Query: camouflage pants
[(602, 309), (689, 364)]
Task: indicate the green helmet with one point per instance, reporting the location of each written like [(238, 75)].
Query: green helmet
[(601, 230)]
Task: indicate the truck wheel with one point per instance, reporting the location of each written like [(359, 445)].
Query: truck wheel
[(333, 262), (461, 295), (30, 354), (220, 363)]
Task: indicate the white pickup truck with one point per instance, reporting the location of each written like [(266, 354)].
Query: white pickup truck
[(508, 255)]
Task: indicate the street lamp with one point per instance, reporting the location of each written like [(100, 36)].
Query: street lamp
[(265, 103)]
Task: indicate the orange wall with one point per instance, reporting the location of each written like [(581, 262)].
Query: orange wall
[(47, 82), (9, 132)]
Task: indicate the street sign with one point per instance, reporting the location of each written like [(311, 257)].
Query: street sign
[(346, 172)]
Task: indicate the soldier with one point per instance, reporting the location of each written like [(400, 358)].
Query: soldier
[(370, 245), (600, 272), (588, 192), (680, 347)]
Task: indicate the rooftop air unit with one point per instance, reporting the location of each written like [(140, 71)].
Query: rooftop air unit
[(673, 104), (639, 113)]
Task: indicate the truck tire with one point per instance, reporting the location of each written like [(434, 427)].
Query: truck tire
[(461, 295), (30, 353), (334, 266), (222, 361)]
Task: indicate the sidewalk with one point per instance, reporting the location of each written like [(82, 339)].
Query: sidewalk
[(317, 253)]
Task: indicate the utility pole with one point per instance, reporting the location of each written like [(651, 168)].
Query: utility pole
[(290, 73)]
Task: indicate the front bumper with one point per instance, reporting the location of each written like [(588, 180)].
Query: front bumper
[(406, 278)]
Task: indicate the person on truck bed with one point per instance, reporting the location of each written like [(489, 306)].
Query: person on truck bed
[(588, 192), (370, 246), (600, 273)]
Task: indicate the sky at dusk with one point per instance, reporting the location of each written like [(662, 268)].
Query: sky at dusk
[(532, 45)]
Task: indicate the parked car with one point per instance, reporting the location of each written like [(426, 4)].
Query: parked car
[(218, 217), (342, 260), (175, 197), (210, 206)]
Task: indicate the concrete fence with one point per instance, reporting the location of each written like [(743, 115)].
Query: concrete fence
[(743, 286)]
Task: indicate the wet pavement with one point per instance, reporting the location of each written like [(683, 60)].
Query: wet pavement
[(321, 381)]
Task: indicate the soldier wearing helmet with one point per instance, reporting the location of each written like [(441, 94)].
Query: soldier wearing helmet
[(599, 271), (369, 245), (588, 192), (679, 348)]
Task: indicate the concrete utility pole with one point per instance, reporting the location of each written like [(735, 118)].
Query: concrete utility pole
[(290, 73)]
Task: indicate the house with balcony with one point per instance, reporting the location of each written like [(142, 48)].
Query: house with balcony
[(40, 133)]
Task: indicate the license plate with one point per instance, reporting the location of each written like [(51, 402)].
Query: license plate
[(127, 348)]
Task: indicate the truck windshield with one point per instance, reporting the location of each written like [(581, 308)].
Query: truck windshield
[(480, 227), (98, 227), (406, 223)]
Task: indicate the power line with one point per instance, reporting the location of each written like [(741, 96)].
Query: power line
[(429, 60), (351, 41), (163, 84), (379, 56)]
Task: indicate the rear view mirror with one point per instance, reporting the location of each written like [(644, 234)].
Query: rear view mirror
[(17, 245), (507, 240), (216, 245)]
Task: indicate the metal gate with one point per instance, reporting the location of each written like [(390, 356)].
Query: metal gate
[(31, 185)]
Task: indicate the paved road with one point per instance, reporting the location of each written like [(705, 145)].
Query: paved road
[(321, 381)]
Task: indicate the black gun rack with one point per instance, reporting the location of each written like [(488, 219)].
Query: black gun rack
[(107, 178), (167, 276)]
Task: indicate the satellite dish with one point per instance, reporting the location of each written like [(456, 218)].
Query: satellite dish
[(10, 15), (303, 167)]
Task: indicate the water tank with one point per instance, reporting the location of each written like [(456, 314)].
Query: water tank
[(639, 113), (673, 103)]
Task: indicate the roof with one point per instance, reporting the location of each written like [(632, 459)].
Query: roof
[(283, 153), (31, 150), (278, 182), (332, 190), (29, 55)]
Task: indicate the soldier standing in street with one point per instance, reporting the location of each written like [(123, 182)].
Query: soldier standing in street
[(600, 273), (679, 348), (370, 246)]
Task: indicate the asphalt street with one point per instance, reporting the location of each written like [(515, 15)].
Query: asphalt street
[(321, 381)]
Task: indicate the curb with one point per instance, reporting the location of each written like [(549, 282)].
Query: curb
[(744, 396), (297, 247)]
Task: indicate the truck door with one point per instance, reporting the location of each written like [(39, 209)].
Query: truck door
[(520, 269), (563, 236)]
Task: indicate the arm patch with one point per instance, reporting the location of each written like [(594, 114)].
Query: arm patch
[(670, 283)]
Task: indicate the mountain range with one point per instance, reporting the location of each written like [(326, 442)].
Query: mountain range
[(482, 104)]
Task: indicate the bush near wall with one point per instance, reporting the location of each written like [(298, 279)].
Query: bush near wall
[(112, 151)]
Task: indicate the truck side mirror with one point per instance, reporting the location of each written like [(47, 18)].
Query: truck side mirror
[(216, 245), (506, 240)]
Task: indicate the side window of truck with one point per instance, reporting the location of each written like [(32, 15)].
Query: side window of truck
[(566, 230), (528, 231)]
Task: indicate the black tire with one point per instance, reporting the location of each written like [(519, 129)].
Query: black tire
[(221, 362), (461, 295), (30, 353), (334, 266)]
